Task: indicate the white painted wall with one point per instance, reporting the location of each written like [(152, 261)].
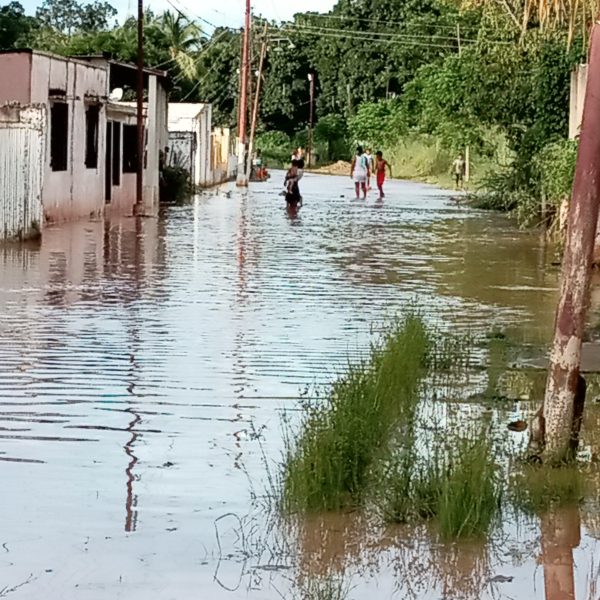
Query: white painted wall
[(196, 118), (22, 148), (78, 191)]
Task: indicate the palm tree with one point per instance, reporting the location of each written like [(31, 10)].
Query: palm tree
[(183, 38), (572, 15)]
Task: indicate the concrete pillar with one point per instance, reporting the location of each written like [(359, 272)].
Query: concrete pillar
[(151, 175)]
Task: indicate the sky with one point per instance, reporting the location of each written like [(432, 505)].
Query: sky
[(221, 12)]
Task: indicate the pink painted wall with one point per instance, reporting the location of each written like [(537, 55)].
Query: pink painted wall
[(77, 192), (15, 79), (124, 195)]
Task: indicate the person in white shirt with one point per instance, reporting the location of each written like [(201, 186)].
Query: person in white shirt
[(359, 172)]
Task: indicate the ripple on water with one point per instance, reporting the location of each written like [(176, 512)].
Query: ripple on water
[(129, 345)]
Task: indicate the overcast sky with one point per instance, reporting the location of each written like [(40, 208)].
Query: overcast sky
[(219, 12)]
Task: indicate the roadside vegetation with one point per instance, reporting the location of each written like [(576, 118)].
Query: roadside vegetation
[(380, 441), (444, 75)]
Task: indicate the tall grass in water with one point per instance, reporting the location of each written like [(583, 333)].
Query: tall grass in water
[(328, 465), (455, 482), (471, 489)]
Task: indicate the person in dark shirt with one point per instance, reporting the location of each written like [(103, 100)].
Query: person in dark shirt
[(292, 191)]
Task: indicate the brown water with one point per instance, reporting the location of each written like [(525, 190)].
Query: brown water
[(144, 367)]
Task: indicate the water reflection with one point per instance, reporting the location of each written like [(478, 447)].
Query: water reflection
[(561, 534), (155, 334)]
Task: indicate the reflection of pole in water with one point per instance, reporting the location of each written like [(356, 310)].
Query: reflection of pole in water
[(561, 533), (131, 501), (242, 241)]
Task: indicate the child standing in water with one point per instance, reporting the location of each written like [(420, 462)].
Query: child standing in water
[(380, 165)]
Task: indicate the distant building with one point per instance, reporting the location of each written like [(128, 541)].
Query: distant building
[(68, 148), (196, 147)]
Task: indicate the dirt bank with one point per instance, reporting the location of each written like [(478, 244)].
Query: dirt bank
[(341, 167)]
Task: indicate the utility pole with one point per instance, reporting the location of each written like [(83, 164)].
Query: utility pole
[(139, 180), (311, 79), (263, 53), (242, 178), (467, 147), (555, 429)]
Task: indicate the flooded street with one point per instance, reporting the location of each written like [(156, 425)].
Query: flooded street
[(145, 366)]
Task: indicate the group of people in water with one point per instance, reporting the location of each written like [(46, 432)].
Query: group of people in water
[(363, 167)]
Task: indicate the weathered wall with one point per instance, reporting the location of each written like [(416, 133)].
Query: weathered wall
[(15, 79), (577, 97), (220, 155), (204, 174), (22, 144), (124, 194), (182, 151), (197, 119), (78, 191)]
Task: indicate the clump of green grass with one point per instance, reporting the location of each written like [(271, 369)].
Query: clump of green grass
[(471, 489), (456, 482), (327, 467), (324, 588), (536, 489)]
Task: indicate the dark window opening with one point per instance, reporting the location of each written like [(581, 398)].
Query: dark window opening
[(108, 164), (59, 136), (92, 121), (116, 155), (130, 151)]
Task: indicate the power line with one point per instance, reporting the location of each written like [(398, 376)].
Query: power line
[(357, 36), (381, 22), (382, 34)]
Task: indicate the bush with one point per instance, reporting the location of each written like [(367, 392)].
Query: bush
[(276, 147), (555, 165), (175, 185), (378, 124)]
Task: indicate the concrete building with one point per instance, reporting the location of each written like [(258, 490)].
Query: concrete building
[(195, 146), (81, 145)]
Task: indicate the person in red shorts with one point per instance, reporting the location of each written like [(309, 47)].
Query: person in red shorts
[(380, 166)]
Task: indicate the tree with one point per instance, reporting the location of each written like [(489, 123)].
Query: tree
[(15, 26), (68, 16), (183, 39)]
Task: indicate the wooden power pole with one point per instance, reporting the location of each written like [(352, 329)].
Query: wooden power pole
[(139, 180), (311, 119), (563, 402), (263, 53), (242, 178)]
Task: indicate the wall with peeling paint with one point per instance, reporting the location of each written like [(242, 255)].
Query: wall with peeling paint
[(78, 191), (22, 150), (73, 190)]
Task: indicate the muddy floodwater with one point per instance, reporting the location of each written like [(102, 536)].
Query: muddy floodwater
[(145, 366)]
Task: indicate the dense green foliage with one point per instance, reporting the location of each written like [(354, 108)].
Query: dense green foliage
[(407, 76)]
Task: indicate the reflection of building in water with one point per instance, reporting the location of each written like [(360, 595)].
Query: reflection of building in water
[(561, 534), (103, 269)]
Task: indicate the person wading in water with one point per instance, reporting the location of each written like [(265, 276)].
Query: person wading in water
[(359, 172)]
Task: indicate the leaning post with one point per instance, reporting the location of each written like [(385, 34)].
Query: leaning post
[(559, 412)]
